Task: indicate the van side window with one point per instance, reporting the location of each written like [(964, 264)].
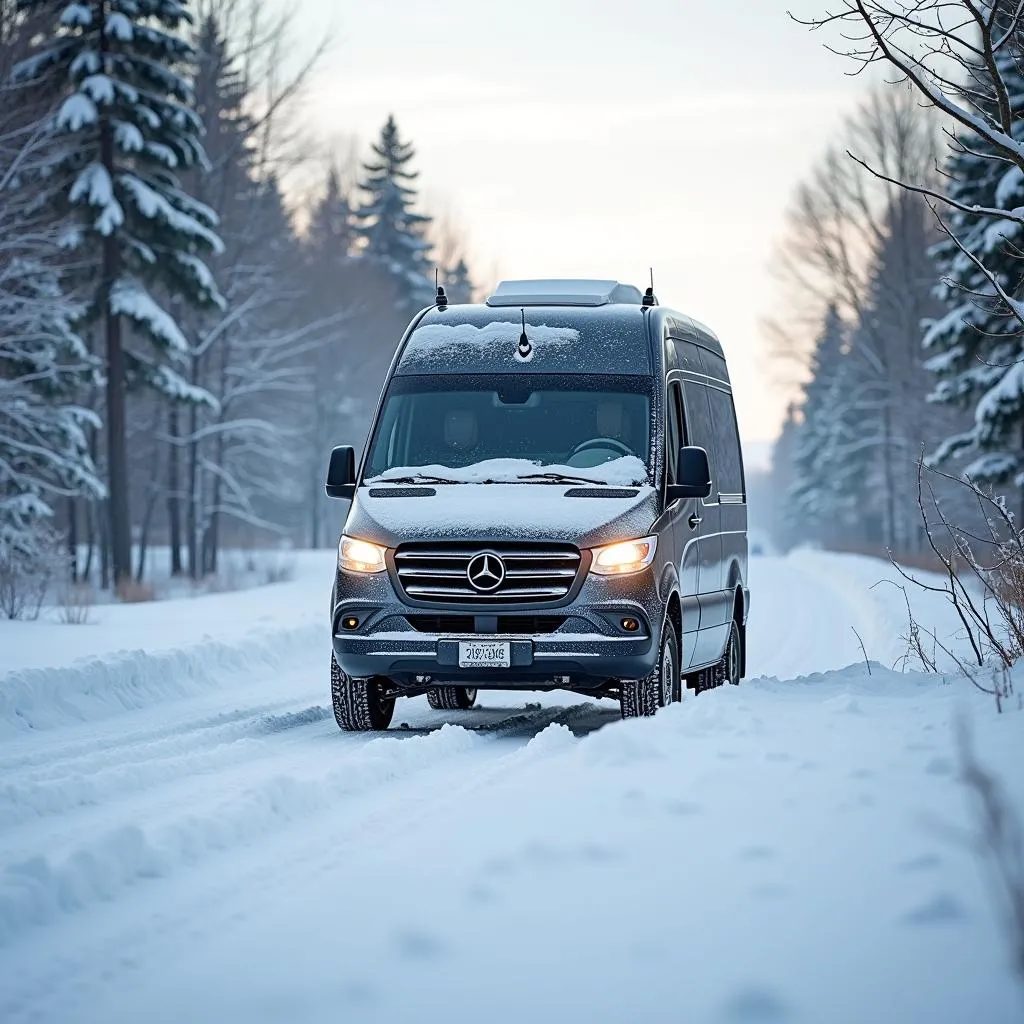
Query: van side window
[(730, 463), (675, 431), (714, 366), (699, 428)]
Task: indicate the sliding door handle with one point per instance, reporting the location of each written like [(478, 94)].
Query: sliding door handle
[(695, 521)]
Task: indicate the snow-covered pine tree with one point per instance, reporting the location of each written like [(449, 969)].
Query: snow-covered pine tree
[(977, 348), (44, 366), (393, 235), (44, 445), (813, 491), (128, 127), (331, 236), (458, 283)]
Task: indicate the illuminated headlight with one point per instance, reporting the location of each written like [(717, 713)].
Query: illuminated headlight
[(624, 557), (360, 555)]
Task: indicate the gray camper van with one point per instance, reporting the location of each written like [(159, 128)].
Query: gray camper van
[(551, 497)]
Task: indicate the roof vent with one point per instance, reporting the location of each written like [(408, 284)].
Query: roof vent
[(563, 292)]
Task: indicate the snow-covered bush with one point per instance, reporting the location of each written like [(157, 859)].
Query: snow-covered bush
[(982, 577), (28, 562)]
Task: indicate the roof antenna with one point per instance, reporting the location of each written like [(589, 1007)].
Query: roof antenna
[(649, 299), (440, 299), (525, 348)]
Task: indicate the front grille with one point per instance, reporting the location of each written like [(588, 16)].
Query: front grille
[(529, 624), (437, 573), (441, 623)]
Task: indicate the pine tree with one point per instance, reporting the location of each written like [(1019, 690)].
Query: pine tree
[(393, 235), (977, 348), (44, 447), (458, 283), (128, 130), (330, 237), (814, 491)]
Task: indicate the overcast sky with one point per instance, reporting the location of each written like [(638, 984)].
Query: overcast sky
[(577, 138)]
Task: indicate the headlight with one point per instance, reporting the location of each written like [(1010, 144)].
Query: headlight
[(626, 556), (360, 555)]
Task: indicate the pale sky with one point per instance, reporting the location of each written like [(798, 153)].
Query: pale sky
[(588, 138)]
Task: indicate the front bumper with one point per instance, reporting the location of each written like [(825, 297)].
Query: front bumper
[(584, 652)]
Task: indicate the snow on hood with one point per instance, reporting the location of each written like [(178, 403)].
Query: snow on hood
[(627, 471), (515, 511)]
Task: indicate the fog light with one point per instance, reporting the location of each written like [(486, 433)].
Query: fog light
[(349, 622), (630, 625)]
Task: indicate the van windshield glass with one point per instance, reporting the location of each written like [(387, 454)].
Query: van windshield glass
[(536, 428)]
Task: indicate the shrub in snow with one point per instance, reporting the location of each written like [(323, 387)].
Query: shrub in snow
[(28, 563)]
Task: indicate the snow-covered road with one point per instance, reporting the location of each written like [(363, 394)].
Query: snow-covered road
[(185, 835)]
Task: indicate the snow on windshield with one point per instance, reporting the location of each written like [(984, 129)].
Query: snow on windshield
[(627, 471)]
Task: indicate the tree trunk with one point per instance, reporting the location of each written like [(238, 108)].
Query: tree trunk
[(72, 541), (314, 513), (90, 533), (103, 524), (147, 519), (173, 493), (889, 528), (117, 450), (195, 568)]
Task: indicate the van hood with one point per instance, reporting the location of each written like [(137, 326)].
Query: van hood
[(494, 512)]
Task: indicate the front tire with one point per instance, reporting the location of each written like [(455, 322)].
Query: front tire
[(641, 698), (451, 698), (359, 704)]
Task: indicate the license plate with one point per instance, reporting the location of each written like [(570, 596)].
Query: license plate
[(487, 654)]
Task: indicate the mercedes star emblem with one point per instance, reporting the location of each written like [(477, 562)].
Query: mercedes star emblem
[(486, 571)]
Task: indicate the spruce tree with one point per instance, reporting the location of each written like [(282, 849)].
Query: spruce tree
[(977, 349), (128, 128), (331, 235), (393, 235), (458, 283), (813, 491)]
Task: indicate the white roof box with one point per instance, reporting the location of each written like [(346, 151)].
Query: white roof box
[(563, 292)]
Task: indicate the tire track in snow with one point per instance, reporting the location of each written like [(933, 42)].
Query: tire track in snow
[(37, 888)]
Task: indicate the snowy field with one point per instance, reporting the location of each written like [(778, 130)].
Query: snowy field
[(185, 835)]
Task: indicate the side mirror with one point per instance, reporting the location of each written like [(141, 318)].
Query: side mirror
[(341, 473), (693, 475)]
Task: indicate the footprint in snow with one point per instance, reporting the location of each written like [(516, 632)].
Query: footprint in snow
[(940, 909), (941, 766), (757, 853), (683, 808), (926, 862), (481, 894), (778, 757), (755, 1005), (769, 891), (417, 945)]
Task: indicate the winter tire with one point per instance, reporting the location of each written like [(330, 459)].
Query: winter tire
[(733, 660), (641, 698), (451, 698), (359, 704)]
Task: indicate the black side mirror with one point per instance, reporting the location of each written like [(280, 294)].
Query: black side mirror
[(341, 473), (693, 475)]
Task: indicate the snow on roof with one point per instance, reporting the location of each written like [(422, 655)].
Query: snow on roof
[(563, 292), (440, 346)]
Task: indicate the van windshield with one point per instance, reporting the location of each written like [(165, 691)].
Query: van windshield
[(506, 428)]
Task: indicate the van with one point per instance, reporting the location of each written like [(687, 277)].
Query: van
[(551, 496)]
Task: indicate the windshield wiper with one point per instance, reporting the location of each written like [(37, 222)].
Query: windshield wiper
[(417, 479), (560, 478)]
